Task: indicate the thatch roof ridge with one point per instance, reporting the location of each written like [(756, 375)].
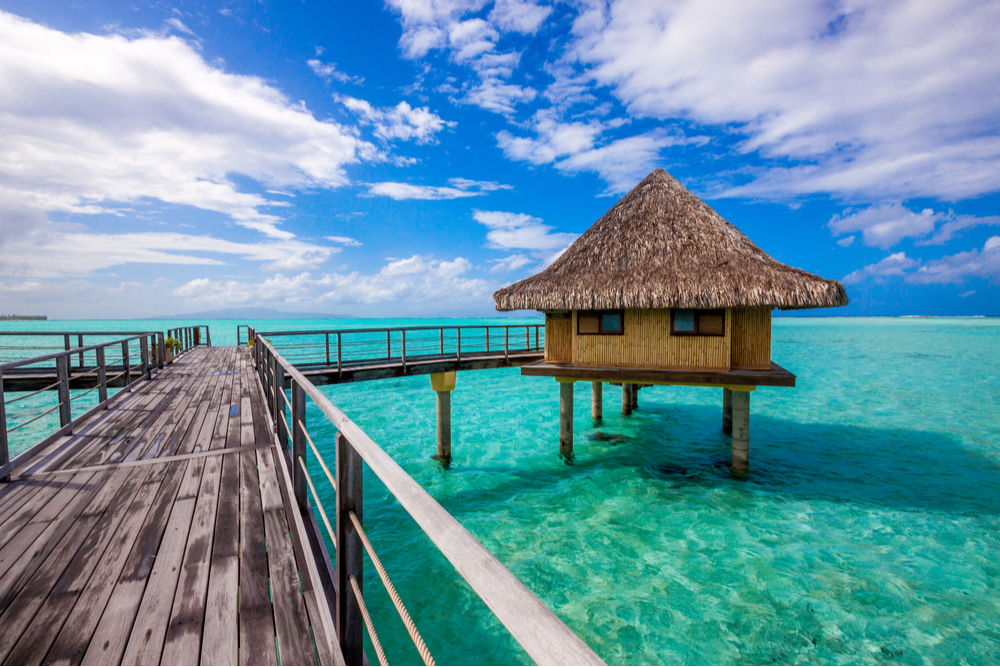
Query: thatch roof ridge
[(661, 246)]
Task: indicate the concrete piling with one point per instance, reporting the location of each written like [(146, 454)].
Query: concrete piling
[(741, 433), (443, 384), (626, 399), (566, 419), (727, 410), (597, 401)]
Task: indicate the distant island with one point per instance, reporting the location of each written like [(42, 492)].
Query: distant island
[(251, 314), (12, 318)]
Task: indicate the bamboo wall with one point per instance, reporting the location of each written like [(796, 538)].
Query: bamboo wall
[(751, 340), (558, 339), (647, 343)]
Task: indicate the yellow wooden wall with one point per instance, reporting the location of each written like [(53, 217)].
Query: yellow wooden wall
[(751, 339), (647, 343), (558, 339)]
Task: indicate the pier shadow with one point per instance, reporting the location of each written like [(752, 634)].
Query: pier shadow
[(683, 445)]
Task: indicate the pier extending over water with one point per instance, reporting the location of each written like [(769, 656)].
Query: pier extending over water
[(178, 521)]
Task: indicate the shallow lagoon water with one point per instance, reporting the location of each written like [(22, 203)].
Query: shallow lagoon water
[(868, 531)]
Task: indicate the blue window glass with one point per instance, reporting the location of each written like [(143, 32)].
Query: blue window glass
[(684, 321), (611, 322)]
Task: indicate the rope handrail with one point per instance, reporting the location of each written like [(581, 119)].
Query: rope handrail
[(319, 505), (21, 398), (73, 398), (368, 623), (411, 627), (35, 418)]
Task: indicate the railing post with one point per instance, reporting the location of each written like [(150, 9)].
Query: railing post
[(327, 336), (506, 343), (487, 339), (196, 336), (126, 366), (208, 336), (537, 329), (340, 369), (102, 377), (79, 341), (62, 374), (458, 333), (4, 452), (441, 335), (403, 332), (144, 356), (299, 443), (349, 551), (388, 347), (279, 404), (161, 350)]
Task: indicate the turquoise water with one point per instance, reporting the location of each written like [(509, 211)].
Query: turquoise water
[(868, 531)]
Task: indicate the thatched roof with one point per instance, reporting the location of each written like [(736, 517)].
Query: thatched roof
[(661, 246)]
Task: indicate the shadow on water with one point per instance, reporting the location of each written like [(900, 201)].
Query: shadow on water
[(684, 445)]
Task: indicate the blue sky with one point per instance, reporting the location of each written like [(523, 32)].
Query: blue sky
[(408, 158)]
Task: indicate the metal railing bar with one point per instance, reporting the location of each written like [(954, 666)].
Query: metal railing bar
[(319, 505), (319, 458), (368, 623), (411, 627), (35, 418)]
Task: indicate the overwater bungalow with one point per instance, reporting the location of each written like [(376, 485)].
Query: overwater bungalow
[(662, 290)]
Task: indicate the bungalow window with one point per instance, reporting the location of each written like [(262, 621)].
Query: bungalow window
[(688, 322), (600, 322)]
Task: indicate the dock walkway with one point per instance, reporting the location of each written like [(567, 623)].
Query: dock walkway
[(161, 532)]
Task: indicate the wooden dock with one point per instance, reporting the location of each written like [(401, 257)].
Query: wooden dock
[(161, 532)]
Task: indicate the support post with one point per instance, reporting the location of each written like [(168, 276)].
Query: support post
[(62, 374), (79, 343), (349, 551), (126, 366), (597, 400), (443, 384), (144, 356), (327, 336), (279, 404), (208, 336), (299, 443), (340, 368), (161, 351), (102, 377), (741, 433), (634, 391), (727, 410), (626, 399), (566, 420), (4, 452)]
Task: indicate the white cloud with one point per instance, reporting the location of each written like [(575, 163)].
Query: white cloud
[(518, 16), (521, 232), (343, 240), (846, 242), (329, 71), (89, 122), (410, 283), (966, 295), (509, 263), (874, 98), (956, 268), (459, 188), (400, 122), (179, 26), (894, 265), (30, 254), (886, 225)]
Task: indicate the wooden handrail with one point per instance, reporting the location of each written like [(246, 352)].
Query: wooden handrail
[(532, 624)]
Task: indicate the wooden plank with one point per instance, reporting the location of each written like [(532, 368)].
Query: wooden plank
[(145, 644), (256, 617), (74, 638), (182, 644), (776, 376), (220, 645), (111, 635), (295, 642), (43, 605)]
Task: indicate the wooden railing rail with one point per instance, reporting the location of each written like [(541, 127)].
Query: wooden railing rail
[(150, 353), (350, 348), (192, 336), (532, 624), (13, 349)]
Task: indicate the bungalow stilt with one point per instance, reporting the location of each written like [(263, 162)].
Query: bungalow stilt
[(662, 290), (566, 419), (443, 384), (597, 401)]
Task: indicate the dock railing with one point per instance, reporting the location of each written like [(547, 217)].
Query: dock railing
[(545, 638), (192, 336), (350, 348), (20, 345), (148, 355)]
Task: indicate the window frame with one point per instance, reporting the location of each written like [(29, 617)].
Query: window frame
[(600, 322), (697, 322)]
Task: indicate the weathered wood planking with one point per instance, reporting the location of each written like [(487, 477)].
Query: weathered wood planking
[(172, 550)]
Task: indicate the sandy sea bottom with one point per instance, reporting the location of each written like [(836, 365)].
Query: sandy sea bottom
[(868, 531)]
